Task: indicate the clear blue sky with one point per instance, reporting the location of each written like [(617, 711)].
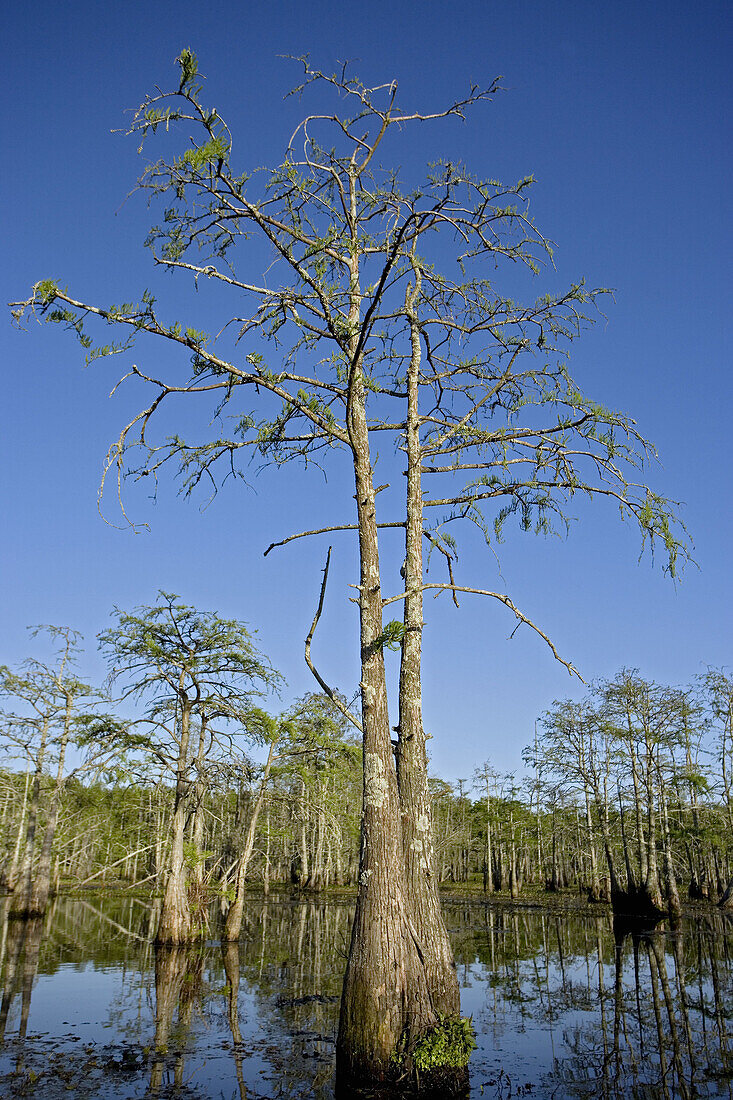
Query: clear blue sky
[(620, 110)]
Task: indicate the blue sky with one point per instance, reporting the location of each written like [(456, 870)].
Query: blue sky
[(620, 112)]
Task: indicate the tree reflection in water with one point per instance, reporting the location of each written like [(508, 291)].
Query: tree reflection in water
[(178, 986), (630, 1015), (564, 1005)]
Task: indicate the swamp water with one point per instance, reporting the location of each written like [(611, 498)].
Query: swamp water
[(561, 1007)]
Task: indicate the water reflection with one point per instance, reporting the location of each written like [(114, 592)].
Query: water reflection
[(564, 1005), (604, 1015)]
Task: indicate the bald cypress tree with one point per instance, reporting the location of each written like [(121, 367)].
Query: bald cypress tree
[(193, 671), (378, 325)]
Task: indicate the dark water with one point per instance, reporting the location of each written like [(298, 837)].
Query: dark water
[(562, 1008)]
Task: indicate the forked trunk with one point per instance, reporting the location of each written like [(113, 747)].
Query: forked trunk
[(385, 1001)]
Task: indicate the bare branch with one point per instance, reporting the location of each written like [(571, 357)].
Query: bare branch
[(325, 531), (507, 603), (332, 695)]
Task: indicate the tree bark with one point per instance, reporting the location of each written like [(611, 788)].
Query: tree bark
[(385, 997), (672, 891), (175, 927), (726, 902), (412, 769)]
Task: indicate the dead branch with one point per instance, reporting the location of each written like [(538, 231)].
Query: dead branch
[(325, 531), (324, 686)]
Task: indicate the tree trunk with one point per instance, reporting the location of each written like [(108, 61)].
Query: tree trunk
[(640, 843), (630, 878), (38, 899), (596, 891), (175, 928), (602, 811), (412, 769), (175, 925), (672, 892), (489, 882), (554, 877), (304, 871), (233, 925), (13, 869), (20, 903), (385, 997), (653, 885)]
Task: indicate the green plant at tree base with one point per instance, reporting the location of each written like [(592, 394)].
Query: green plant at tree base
[(448, 1046)]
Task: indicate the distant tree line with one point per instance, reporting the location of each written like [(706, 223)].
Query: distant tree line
[(627, 798)]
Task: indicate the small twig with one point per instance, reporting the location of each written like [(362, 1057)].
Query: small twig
[(324, 686), (449, 559)]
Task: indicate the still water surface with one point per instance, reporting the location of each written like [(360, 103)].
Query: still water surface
[(562, 1008)]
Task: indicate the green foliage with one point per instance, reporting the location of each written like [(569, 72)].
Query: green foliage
[(213, 150), (189, 69), (193, 857), (654, 521), (196, 337), (392, 637), (72, 320), (450, 1044), (46, 290), (153, 647)]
